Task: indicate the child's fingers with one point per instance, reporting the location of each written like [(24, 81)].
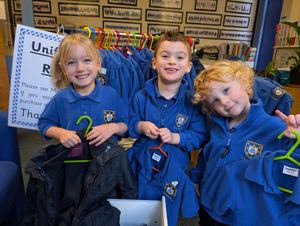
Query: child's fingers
[(281, 115)]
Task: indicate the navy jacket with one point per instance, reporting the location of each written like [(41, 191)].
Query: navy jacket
[(61, 193)]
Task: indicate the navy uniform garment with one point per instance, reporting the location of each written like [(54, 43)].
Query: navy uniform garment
[(178, 114), (159, 174), (272, 95), (61, 193), (249, 194)]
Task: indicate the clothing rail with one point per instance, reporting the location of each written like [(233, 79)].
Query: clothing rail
[(69, 30)]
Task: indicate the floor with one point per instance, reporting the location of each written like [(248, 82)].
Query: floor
[(30, 142)]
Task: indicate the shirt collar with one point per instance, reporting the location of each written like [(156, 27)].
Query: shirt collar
[(72, 95)]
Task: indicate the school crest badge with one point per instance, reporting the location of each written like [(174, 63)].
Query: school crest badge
[(181, 120), (252, 149), (278, 92), (170, 189), (109, 116)]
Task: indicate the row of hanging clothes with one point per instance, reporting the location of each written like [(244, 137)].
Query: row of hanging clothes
[(126, 58)]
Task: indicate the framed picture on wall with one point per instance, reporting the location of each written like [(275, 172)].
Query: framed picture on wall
[(174, 4), (236, 21), (41, 6), (122, 26), (201, 32), (123, 2), (207, 5), (17, 5), (238, 7), (235, 35), (160, 28), (75, 9), (45, 21), (84, 0), (203, 18), (164, 16), (122, 13)]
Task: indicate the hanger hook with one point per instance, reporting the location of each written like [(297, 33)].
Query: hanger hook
[(90, 123), (296, 144)]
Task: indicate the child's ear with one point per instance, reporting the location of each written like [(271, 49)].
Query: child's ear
[(189, 67), (154, 63)]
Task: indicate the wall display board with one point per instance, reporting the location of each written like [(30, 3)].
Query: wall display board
[(236, 21), (122, 26), (122, 13), (202, 19), (208, 5), (164, 16), (31, 86), (159, 28), (123, 2), (170, 4), (201, 32), (74, 9), (238, 7)]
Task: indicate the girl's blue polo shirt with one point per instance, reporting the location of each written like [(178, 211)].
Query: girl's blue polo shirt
[(103, 105)]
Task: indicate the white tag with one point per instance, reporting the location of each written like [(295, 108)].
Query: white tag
[(103, 70), (290, 171), (156, 157)]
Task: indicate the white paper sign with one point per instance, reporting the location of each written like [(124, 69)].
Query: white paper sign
[(31, 84)]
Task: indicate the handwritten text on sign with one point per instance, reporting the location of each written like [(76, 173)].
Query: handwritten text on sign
[(31, 85)]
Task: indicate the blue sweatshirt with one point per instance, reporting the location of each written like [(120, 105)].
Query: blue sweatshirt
[(249, 195)]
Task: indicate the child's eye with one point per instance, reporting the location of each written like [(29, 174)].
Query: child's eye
[(164, 56), (70, 62), (88, 60), (226, 90), (180, 57)]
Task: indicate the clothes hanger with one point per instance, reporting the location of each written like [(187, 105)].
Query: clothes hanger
[(143, 42), (85, 133), (161, 151), (288, 156)]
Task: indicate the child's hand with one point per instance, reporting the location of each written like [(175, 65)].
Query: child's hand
[(68, 138), (168, 137), (165, 135), (99, 134), (292, 121), (149, 129)]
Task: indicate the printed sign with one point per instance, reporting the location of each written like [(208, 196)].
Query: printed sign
[(31, 85)]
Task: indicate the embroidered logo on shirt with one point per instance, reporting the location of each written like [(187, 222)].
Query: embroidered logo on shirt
[(252, 149), (109, 115), (278, 92), (170, 189), (181, 120)]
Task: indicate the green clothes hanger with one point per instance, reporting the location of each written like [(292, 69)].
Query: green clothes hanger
[(288, 156), (86, 132)]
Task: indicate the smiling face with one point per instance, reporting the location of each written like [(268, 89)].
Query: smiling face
[(81, 68), (171, 61), (229, 100)]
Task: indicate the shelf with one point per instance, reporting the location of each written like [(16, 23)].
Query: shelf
[(286, 47)]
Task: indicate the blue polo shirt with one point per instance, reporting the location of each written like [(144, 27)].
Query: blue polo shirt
[(103, 105), (245, 193), (168, 179)]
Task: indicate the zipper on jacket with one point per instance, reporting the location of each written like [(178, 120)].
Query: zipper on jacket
[(227, 147)]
